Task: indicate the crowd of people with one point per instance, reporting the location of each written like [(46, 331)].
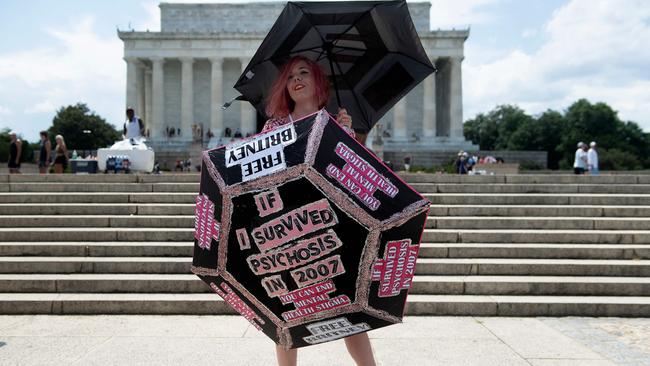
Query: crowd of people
[(586, 159), (465, 162)]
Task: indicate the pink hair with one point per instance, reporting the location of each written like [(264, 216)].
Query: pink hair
[(279, 103)]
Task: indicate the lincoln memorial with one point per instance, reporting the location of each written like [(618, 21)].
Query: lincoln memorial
[(178, 78)]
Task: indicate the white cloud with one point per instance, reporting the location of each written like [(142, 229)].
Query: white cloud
[(5, 111), (460, 13), (77, 66), (594, 49)]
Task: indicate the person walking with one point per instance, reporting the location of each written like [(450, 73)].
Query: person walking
[(592, 159), (60, 155), (15, 152), (580, 160), (45, 153), (300, 90)]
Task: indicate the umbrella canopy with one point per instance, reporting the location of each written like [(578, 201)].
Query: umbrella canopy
[(306, 234), (370, 50)]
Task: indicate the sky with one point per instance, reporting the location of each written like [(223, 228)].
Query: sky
[(537, 54)]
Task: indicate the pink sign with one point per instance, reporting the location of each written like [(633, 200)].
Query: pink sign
[(312, 300), (318, 271), (298, 254), (238, 304), (396, 270), (294, 224), (274, 285), (268, 202), (360, 178), (206, 226)]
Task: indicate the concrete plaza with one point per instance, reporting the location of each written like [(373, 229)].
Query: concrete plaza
[(230, 340)]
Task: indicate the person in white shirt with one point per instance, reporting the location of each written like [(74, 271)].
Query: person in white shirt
[(592, 159), (580, 161), (133, 127)]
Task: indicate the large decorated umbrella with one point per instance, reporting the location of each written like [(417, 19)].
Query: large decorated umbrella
[(369, 49), (306, 233)]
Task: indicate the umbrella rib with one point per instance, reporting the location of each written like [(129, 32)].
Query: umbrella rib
[(435, 69), (354, 23), (275, 56), (353, 94)]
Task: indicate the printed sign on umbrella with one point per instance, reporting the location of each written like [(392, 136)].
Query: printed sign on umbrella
[(370, 50), (306, 234)]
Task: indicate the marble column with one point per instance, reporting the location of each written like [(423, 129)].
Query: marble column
[(248, 122), (455, 99), (139, 107), (429, 106), (131, 82), (157, 99), (187, 97), (399, 120), (148, 112), (216, 98)]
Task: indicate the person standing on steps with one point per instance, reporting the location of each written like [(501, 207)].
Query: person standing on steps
[(302, 89), (15, 152), (45, 153), (580, 161), (592, 159)]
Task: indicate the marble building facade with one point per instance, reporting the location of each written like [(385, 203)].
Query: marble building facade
[(179, 78)]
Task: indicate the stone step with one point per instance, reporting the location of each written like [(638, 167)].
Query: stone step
[(431, 285), (97, 249), (97, 197), (95, 234), (539, 223), (101, 187), (438, 199), (426, 266), (420, 187), (538, 199), (427, 250), (528, 285), (526, 178), (98, 221), (436, 210), (160, 265), (100, 178), (540, 251), (532, 188), (435, 222), (545, 211), (205, 303), (408, 177), (518, 306), (536, 236), (429, 236), (96, 209), (533, 267)]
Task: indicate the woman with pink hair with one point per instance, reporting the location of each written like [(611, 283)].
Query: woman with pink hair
[(302, 89)]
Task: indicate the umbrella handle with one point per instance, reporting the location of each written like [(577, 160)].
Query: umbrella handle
[(228, 103), (328, 49)]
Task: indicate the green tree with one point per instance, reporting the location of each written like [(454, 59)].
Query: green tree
[(494, 130), (622, 145), (71, 122)]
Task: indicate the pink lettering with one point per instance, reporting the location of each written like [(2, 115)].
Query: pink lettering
[(238, 304), (206, 226), (395, 272), (268, 202)]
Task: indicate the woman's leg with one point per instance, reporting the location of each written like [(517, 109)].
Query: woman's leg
[(286, 357), (58, 168), (360, 349)]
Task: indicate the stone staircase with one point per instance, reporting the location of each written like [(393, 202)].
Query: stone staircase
[(521, 245)]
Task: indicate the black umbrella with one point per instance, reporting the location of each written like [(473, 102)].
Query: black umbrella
[(369, 49)]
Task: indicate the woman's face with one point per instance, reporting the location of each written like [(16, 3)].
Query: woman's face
[(300, 84), (58, 140)]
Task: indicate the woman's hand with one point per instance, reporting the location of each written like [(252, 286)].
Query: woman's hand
[(343, 118)]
